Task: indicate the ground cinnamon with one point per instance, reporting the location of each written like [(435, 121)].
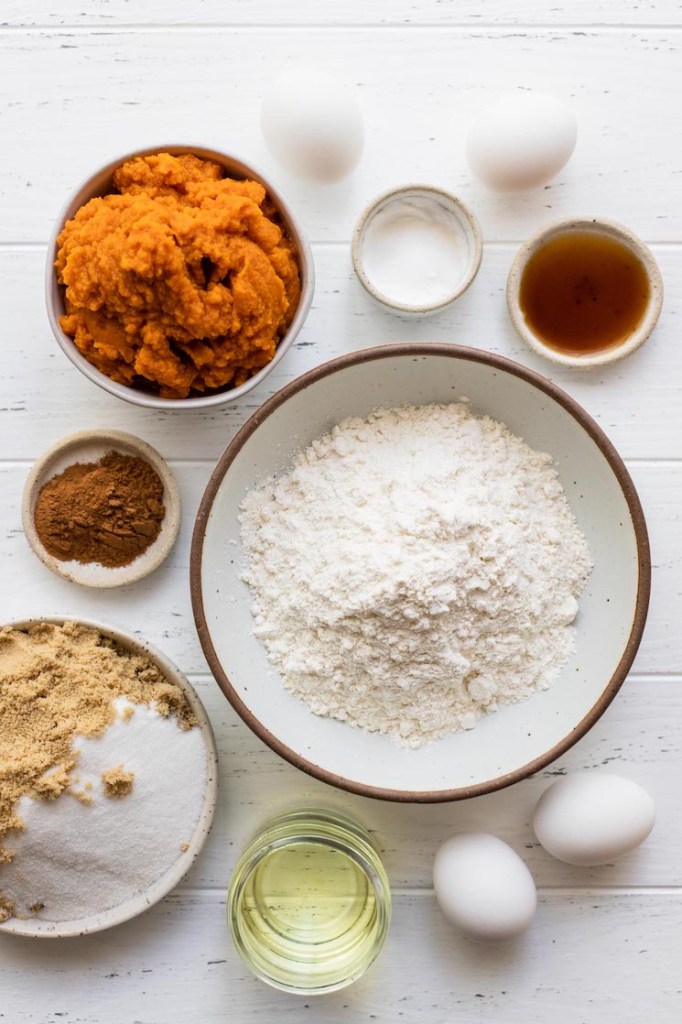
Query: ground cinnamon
[(107, 512)]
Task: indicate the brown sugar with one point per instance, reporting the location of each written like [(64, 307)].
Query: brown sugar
[(56, 683), (117, 782), (107, 512)]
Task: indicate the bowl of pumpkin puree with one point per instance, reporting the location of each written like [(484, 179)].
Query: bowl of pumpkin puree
[(177, 278)]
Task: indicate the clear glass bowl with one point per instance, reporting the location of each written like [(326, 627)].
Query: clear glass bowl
[(309, 902)]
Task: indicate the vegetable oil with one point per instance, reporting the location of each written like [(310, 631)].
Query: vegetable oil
[(309, 902)]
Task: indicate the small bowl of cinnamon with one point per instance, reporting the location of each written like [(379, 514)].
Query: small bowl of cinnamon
[(101, 508)]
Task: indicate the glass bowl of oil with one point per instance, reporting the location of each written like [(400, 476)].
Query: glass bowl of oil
[(309, 902)]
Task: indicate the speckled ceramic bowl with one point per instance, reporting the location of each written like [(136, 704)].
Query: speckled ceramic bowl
[(99, 184), (518, 739), (461, 216), (600, 227), (140, 901), (90, 446)]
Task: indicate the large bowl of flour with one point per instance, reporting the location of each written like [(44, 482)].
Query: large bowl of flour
[(420, 572)]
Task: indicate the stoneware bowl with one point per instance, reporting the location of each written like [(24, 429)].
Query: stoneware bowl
[(90, 446), (463, 219), (141, 901), (99, 184), (515, 741), (600, 227)]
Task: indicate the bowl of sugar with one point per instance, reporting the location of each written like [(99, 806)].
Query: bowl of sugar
[(420, 572), (114, 777)]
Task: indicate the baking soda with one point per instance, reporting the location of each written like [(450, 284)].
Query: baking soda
[(415, 252)]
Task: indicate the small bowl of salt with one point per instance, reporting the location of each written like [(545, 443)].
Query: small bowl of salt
[(416, 249)]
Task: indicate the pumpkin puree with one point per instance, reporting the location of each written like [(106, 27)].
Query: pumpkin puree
[(182, 278)]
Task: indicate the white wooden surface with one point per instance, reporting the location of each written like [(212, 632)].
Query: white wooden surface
[(82, 81)]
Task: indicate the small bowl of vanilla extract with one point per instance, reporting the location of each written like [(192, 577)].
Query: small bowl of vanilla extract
[(584, 292)]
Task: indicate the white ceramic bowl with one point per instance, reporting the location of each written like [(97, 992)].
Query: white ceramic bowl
[(461, 216), (586, 225), (141, 901), (99, 184), (90, 446), (518, 739)]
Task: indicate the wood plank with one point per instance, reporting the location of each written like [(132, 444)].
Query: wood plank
[(80, 95), (640, 737), (162, 603), (108, 13), (85, 98), (589, 956), (637, 401)]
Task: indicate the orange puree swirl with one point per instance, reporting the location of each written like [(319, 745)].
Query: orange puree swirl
[(182, 278)]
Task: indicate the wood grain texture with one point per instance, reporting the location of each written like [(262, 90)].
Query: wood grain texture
[(641, 734), (86, 98), (175, 965), (630, 740), (638, 401), (382, 13), (85, 81), (159, 606)]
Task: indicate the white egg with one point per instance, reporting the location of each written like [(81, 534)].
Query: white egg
[(521, 141), (313, 125), (484, 887), (593, 818)]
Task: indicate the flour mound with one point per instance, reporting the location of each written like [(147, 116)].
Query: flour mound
[(413, 570)]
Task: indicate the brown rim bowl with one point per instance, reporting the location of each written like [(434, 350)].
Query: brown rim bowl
[(518, 739)]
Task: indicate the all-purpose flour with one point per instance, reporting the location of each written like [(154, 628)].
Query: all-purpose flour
[(414, 570)]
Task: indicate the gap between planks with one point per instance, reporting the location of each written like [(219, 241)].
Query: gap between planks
[(327, 243), (640, 677), (474, 28), (211, 463), (427, 891)]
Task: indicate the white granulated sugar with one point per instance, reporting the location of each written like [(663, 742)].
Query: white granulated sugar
[(413, 570), (80, 859)]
